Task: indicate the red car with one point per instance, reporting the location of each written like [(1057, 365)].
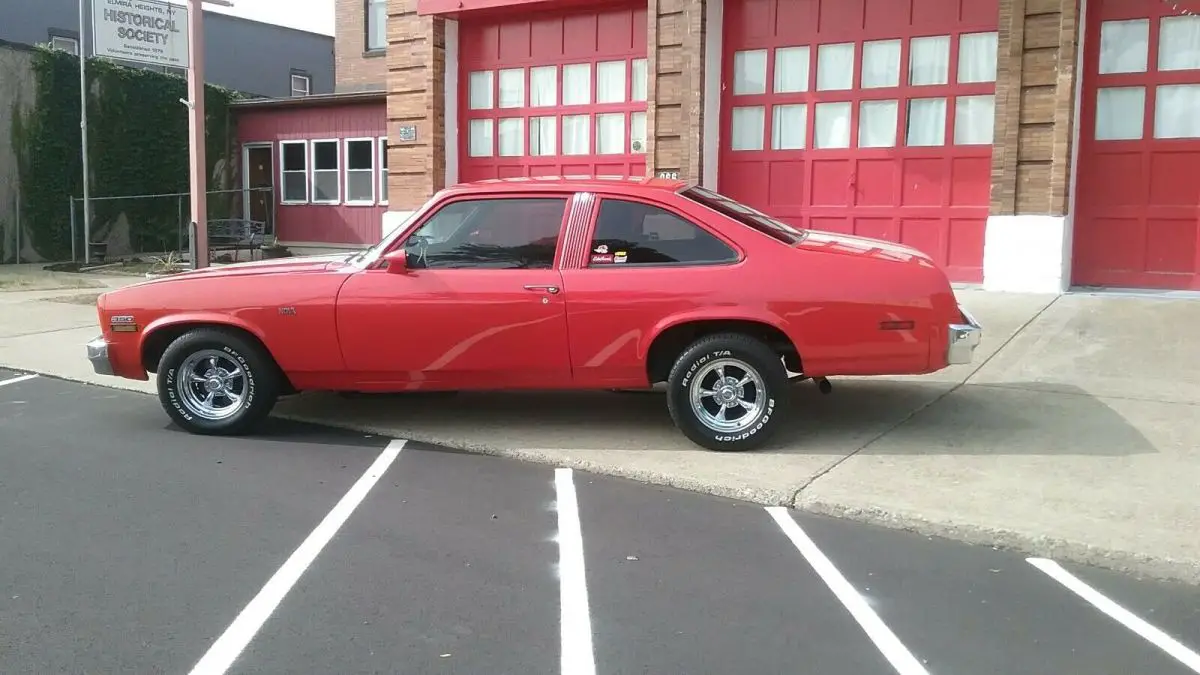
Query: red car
[(547, 284)]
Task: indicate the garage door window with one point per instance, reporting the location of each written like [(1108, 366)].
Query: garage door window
[(517, 112), (1125, 51), (935, 94)]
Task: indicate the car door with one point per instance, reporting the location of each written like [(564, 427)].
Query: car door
[(480, 306), (645, 263)]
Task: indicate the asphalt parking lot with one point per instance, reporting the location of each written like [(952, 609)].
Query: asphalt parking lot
[(131, 547)]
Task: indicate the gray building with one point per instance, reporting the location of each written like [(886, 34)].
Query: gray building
[(248, 56)]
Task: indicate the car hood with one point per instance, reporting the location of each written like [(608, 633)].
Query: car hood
[(848, 244), (290, 265)]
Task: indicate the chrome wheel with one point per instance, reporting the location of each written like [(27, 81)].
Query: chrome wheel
[(211, 384), (727, 395)]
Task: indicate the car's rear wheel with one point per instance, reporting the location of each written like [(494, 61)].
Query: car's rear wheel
[(726, 392), (214, 381)]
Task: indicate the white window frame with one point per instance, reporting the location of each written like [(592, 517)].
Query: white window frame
[(373, 170), (313, 171), (382, 170), (283, 201), (74, 42), (306, 79)]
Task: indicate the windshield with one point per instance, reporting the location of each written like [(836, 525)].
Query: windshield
[(745, 215), (370, 253)]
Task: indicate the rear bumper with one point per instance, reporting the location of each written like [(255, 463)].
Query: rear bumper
[(962, 339), (97, 354)]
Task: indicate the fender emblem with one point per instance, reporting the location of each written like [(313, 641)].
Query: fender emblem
[(122, 323), (287, 311)]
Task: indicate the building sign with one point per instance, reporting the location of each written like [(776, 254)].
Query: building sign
[(669, 175), (146, 31), (408, 133)]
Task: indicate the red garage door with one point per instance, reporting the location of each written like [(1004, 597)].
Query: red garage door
[(870, 117), (551, 94), (1139, 153)]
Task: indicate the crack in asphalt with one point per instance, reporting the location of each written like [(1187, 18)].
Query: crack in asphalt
[(904, 420), (43, 332)]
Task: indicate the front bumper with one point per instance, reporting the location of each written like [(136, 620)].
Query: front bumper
[(97, 353), (963, 338)]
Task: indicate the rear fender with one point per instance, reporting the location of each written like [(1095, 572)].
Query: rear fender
[(716, 314)]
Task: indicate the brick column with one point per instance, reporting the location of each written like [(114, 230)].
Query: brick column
[(416, 78), (1026, 242), (675, 114), (1035, 105)]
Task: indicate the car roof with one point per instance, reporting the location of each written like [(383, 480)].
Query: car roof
[(572, 183)]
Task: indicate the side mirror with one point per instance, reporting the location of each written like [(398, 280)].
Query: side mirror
[(397, 262)]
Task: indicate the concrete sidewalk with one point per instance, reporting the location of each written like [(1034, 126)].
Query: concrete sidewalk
[(1072, 435)]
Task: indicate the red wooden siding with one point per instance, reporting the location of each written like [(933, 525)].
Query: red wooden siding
[(320, 223), (1137, 222), (932, 195), (545, 43)]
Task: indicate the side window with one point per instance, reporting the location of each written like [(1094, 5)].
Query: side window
[(489, 234), (630, 233)]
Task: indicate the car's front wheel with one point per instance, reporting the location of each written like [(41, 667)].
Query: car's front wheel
[(727, 392), (216, 382)]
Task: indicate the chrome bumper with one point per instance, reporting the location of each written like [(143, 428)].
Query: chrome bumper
[(97, 353), (963, 339)]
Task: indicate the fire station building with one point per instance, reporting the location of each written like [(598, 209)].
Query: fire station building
[(1027, 145)]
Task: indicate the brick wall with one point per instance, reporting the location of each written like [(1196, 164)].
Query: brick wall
[(416, 84), (354, 68), (675, 121), (1035, 102)]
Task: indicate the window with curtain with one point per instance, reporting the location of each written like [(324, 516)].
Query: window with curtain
[(360, 171), (383, 171), (293, 162), (326, 169), (376, 13)]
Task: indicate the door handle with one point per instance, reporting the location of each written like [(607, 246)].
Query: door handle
[(549, 289)]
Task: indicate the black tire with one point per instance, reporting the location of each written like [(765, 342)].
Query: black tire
[(260, 387), (752, 354)]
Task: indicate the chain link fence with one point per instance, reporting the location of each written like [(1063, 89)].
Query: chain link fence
[(158, 225)]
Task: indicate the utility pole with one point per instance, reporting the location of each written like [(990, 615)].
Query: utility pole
[(197, 165), (198, 162), (83, 128)]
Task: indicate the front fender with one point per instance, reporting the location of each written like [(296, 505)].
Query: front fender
[(206, 318)]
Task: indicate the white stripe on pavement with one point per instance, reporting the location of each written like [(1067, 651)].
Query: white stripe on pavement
[(885, 640), (1128, 619), (229, 646), (577, 655), (15, 380)]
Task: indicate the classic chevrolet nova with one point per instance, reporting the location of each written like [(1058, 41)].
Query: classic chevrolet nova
[(547, 284)]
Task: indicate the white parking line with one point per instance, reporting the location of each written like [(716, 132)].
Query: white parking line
[(577, 655), (885, 640), (14, 380), (1128, 619), (229, 646)]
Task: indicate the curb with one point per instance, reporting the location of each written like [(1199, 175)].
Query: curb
[(1063, 550)]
